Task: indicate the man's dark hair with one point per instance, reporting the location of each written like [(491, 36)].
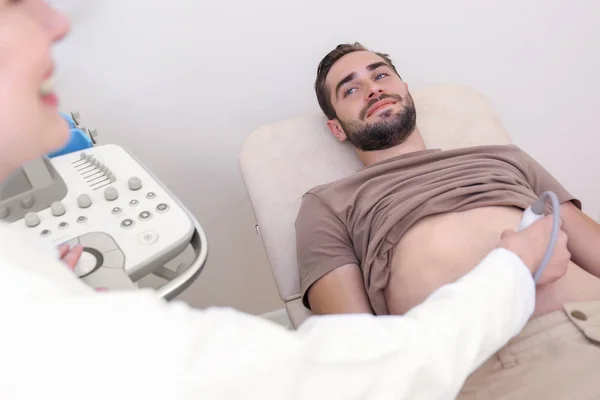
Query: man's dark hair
[(323, 94)]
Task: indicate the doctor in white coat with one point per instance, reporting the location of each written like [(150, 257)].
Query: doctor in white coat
[(61, 339)]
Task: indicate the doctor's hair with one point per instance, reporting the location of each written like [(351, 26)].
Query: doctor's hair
[(323, 93)]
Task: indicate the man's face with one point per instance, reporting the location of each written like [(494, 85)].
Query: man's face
[(29, 121), (374, 108)]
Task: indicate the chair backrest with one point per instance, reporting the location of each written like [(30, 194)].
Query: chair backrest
[(279, 162)]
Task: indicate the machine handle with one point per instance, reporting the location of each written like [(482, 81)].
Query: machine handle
[(199, 243), (176, 286)]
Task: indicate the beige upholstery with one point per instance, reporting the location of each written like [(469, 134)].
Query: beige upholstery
[(281, 161)]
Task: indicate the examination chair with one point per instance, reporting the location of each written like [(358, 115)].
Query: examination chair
[(279, 162)]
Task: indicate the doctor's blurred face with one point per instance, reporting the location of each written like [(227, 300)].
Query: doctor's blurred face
[(29, 121)]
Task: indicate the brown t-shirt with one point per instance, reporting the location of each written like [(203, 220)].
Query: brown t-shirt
[(360, 218)]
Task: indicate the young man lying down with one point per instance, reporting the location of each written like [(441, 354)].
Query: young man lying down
[(413, 219)]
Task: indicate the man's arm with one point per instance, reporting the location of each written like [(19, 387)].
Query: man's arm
[(330, 278), (340, 291), (583, 232), (584, 238)]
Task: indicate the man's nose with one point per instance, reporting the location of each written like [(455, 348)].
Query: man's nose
[(57, 25), (374, 91)]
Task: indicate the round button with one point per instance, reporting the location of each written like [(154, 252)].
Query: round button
[(110, 193), (145, 215), (151, 195), (148, 237), (45, 233), (84, 201), (134, 203), (578, 315), (81, 219), (4, 211), (135, 183), (116, 210), (63, 225), (32, 219), (162, 207), (58, 209), (27, 202), (128, 223)]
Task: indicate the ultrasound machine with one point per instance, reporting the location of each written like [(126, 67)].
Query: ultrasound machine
[(99, 196)]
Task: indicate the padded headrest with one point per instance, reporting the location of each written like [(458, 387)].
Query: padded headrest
[(279, 162)]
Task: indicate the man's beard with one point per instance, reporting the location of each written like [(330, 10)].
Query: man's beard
[(391, 131)]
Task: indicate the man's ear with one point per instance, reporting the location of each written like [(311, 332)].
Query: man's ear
[(336, 128)]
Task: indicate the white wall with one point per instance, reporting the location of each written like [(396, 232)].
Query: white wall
[(181, 83)]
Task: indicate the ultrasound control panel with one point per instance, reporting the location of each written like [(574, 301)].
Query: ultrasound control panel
[(128, 223)]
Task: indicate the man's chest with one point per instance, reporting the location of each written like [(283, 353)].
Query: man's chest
[(411, 195)]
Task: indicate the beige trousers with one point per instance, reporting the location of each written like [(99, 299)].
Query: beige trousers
[(555, 357)]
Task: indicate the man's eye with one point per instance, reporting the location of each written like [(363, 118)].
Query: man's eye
[(349, 92), (381, 76)]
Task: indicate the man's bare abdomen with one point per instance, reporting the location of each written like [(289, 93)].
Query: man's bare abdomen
[(440, 249)]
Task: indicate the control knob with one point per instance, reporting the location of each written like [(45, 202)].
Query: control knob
[(27, 202), (110, 193), (32, 220), (58, 209), (135, 183), (84, 201), (4, 211)]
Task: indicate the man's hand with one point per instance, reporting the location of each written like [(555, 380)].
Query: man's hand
[(531, 244), (584, 238)]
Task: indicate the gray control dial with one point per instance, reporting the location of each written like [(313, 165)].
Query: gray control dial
[(58, 209), (27, 202), (84, 201), (135, 183), (32, 219), (110, 193)]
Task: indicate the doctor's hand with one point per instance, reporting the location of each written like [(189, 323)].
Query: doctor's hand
[(531, 244), (70, 256)]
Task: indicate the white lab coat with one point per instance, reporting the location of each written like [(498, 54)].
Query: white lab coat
[(59, 339)]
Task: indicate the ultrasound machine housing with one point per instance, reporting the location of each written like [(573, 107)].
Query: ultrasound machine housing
[(129, 224)]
